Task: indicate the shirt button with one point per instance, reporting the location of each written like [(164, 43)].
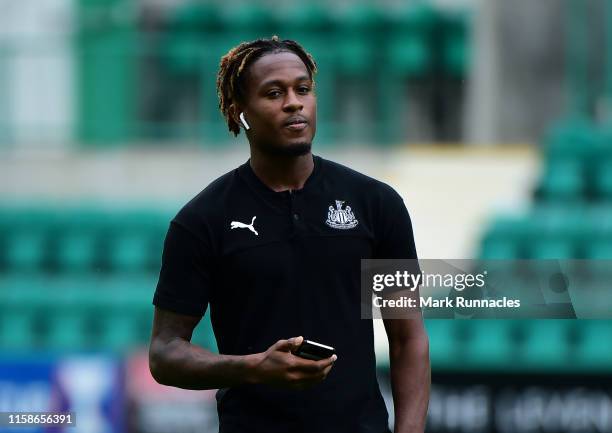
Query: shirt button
[(296, 216)]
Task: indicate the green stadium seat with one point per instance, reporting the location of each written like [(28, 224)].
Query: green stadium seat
[(409, 50), (546, 344), (77, 251), (247, 22), (119, 332), (311, 24), (355, 45), (443, 346), (594, 349), (560, 231), (107, 51), (77, 240), (563, 180), (131, 292), (574, 140), (188, 29), (491, 343), (600, 249), (130, 252), (69, 308), (127, 314), (407, 55), (582, 143), (554, 248), (598, 244), (603, 181), (196, 39), (25, 250), (456, 45), (134, 241), (24, 301), (499, 248), (17, 329), (505, 237), (66, 330)]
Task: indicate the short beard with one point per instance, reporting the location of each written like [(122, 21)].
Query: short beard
[(296, 149)]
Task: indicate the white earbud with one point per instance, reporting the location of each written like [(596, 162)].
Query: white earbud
[(244, 122)]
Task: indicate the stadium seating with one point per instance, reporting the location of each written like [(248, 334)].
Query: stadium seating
[(443, 345), (106, 65), (455, 35), (74, 279), (593, 349), (88, 286), (577, 162), (408, 54), (563, 180), (312, 25), (491, 343), (385, 46), (571, 218), (545, 344)]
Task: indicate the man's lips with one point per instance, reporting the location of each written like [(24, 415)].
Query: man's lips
[(296, 126), (296, 123)]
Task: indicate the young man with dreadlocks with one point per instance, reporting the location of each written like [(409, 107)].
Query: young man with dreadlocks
[(274, 247)]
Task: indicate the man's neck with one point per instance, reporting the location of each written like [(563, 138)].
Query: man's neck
[(281, 173)]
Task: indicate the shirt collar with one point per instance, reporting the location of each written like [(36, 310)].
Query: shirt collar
[(247, 173)]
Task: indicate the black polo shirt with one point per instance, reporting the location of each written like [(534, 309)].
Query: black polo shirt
[(290, 266)]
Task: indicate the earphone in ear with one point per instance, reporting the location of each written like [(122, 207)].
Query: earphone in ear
[(244, 122)]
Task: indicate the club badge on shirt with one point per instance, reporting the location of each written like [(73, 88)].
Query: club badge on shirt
[(341, 219)]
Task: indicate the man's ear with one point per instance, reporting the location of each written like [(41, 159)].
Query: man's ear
[(234, 111)]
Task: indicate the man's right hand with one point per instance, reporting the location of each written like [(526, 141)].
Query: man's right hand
[(278, 366)]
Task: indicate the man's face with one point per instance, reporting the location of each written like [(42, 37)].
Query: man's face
[(280, 107)]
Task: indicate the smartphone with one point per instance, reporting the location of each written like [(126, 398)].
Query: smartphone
[(315, 351)]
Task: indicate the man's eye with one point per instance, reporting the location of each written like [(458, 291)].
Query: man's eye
[(304, 89), (274, 93)]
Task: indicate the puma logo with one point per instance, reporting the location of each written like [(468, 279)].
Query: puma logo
[(239, 225)]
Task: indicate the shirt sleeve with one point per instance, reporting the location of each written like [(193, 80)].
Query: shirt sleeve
[(396, 240), (185, 279), (395, 235)]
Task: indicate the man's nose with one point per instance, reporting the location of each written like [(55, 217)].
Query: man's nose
[(292, 102)]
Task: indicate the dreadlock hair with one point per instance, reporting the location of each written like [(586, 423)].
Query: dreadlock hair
[(233, 67)]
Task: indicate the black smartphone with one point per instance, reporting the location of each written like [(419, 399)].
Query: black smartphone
[(314, 351)]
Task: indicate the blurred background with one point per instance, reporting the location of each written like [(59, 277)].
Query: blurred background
[(491, 118)]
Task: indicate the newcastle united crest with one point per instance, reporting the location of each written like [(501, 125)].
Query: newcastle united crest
[(339, 218)]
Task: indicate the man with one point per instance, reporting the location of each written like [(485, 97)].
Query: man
[(274, 247)]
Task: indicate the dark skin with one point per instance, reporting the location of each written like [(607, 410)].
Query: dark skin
[(175, 361), (410, 368), (279, 89)]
